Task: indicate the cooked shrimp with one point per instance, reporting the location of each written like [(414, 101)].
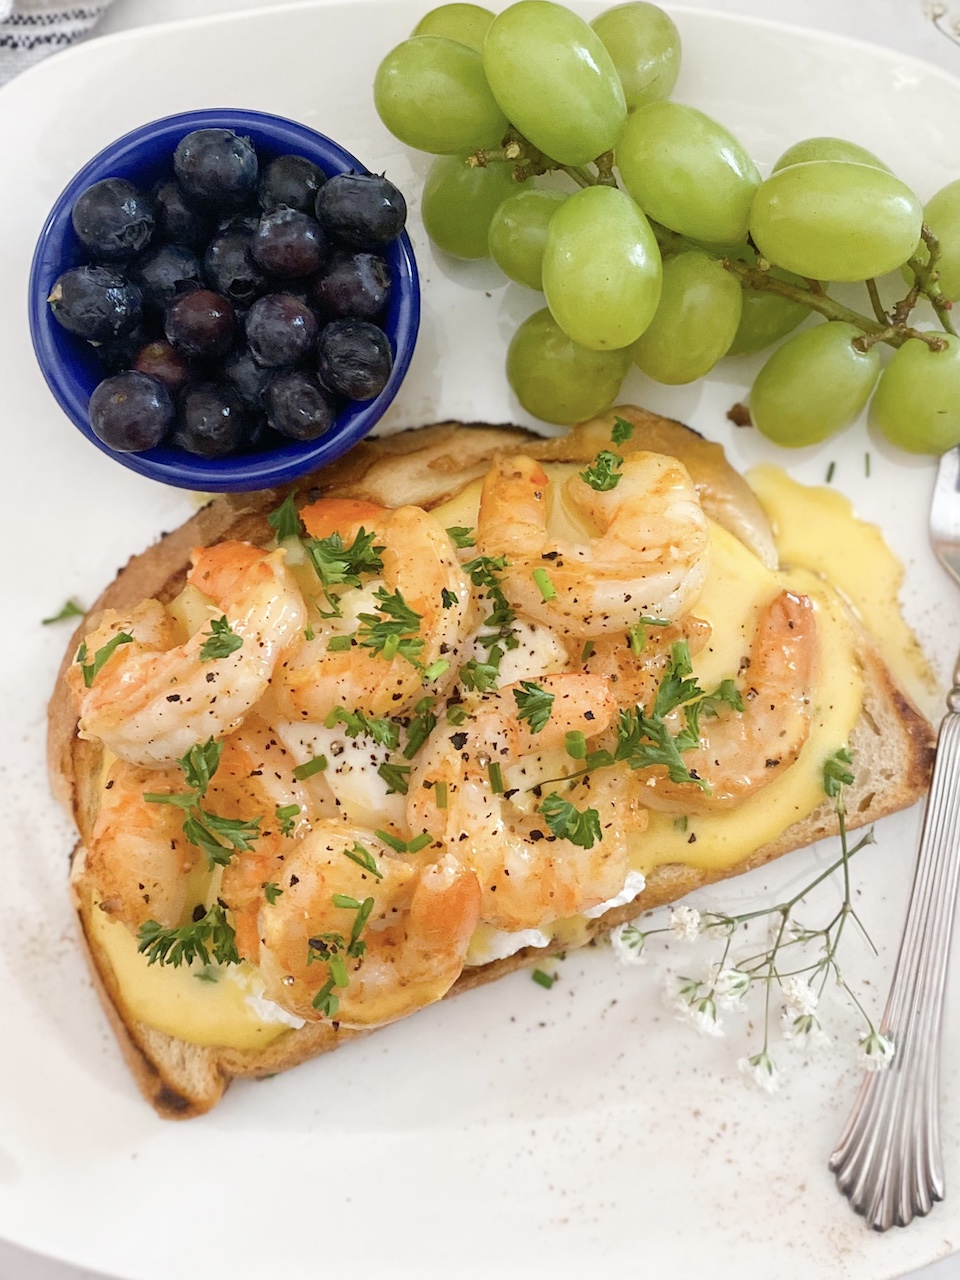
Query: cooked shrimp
[(152, 701), (414, 940), (633, 677), (137, 857), (527, 875), (420, 565), (648, 556), (254, 780), (740, 752)]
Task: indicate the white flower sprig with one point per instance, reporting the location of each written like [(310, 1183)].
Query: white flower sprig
[(946, 23), (784, 970)]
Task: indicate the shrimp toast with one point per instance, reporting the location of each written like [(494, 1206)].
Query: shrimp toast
[(413, 944)]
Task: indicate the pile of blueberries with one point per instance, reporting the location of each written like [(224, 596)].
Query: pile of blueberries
[(233, 306)]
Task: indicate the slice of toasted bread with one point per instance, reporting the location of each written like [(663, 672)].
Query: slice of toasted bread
[(893, 743)]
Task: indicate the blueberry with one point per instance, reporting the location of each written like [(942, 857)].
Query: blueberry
[(96, 303), (117, 354), (361, 210), (298, 406), (164, 272), (216, 166), (292, 181), (131, 412), (281, 329), (161, 361), (211, 421), (113, 219), (246, 219), (230, 269), (288, 243), (259, 436), (247, 378), (178, 221), (356, 286), (354, 358), (200, 323)]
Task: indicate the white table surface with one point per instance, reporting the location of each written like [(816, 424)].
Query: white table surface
[(900, 24)]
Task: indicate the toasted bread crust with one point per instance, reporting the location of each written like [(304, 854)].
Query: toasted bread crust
[(893, 742)]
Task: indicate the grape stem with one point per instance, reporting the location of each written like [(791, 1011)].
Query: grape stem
[(875, 302), (927, 279)]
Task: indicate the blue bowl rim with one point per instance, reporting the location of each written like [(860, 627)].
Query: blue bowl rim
[(245, 471)]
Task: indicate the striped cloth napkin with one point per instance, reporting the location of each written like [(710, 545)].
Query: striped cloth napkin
[(32, 29)]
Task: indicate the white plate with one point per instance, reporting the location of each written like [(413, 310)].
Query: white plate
[(515, 1130)]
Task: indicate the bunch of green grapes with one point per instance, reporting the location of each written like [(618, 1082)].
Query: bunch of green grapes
[(690, 256)]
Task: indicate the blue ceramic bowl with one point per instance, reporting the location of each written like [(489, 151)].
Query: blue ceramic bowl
[(70, 364)]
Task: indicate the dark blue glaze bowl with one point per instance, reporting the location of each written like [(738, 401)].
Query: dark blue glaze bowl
[(70, 364)]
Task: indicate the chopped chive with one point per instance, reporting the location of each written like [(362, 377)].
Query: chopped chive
[(395, 843), (436, 669), (638, 638), (316, 765), (830, 470), (546, 588), (866, 462), (544, 979), (680, 823), (587, 651), (496, 778), (576, 744), (363, 858), (309, 633), (440, 794), (338, 969), (344, 900), (456, 714), (421, 842), (337, 644)]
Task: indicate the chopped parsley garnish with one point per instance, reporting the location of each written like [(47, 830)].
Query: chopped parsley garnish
[(568, 823), (363, 858), (337, 565), (603, 474), (622, 430), (207, 932), (395, 776), (91, 670), (448, 598), (285, 814), (285, 520), (272, 892), (333, 947), (386, 733), (481, 677), (461, 537), (219, 838), (637, 634), (484, 572), (543, 584), (310, 767), (70, 610), (544, 979), (221, 640), (575, 742), (534, 704), (835, 772), (394, 631)]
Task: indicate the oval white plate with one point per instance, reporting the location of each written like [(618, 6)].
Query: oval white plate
[(517, 1130)]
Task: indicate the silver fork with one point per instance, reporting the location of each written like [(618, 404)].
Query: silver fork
[(888, 1161)]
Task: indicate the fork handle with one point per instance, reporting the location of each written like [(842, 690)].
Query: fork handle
[(888, 1160)]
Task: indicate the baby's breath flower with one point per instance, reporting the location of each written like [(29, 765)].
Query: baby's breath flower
[(762, 1071), (799, 997), (729, 987), (702, 1012), (934, 9), (685, 923), (803, 1031), (628, 944), (692, 1001), (876, 1051)]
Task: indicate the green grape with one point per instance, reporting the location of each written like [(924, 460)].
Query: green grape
[(917, 403), (814, 385), (645, 47), (765, 318), (828, 149), (832, 220), (557, 380), (688, 172), (942, 216), (601, 268), (695, 322), (458, 202), (431, 93), (552, 76), (467, 23), (518, 234)]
